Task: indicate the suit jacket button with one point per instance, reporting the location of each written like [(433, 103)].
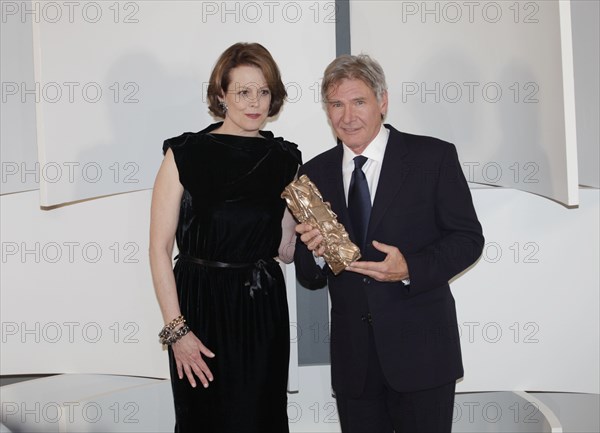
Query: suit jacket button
[(366, 280)]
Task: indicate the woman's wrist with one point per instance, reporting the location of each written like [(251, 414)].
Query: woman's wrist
[(173, 331)]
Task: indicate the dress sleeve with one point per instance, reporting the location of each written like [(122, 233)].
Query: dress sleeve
[(293, 158), (179, 148), (294, 151), (288, 147)]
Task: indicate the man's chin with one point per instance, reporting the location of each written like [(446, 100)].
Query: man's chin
[(352, 142)]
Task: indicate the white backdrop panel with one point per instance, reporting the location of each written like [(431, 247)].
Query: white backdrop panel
[(586, 55), (116, 78), (18, 151), (487, 76), (77, 294), (528, 311)]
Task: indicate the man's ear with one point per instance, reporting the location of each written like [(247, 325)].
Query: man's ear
[(383, 104)]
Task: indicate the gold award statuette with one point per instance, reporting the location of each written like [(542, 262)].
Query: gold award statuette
[(307, 205)]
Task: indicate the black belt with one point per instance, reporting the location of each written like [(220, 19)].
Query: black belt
[(258, 268)]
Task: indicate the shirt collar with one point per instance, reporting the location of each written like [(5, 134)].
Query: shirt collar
[(374, 151)]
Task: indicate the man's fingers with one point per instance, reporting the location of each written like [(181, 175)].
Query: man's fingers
[(315, 243), (312, 239), (375, 274), (384, 248), (310, 235), (367, 272), (303, 228), (367, 266), (360, 269), (357, 270)]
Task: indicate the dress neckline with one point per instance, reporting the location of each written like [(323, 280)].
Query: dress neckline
[(210, 128), (239, 141)]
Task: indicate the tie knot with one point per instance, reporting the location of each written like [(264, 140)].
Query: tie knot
[(359, 161)]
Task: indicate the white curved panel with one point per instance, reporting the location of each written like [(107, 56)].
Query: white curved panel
[(487, 76), (586, 46), (529, 310), (106, 403), (18, 151), (552, 423), (116, 79), (77, 293), (88, 403)]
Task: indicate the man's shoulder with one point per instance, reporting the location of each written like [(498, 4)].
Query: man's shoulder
[(322, 159), (415, 143), (424, 142)]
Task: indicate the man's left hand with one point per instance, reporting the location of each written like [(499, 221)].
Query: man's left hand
[(392, 268)]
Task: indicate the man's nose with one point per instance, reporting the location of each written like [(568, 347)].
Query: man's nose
[(348, 114)]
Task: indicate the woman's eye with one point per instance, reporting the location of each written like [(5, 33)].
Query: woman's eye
[(265, 92)]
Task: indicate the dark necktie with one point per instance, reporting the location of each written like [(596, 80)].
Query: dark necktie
[(359, 200)]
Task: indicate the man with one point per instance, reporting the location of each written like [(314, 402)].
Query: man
[(395, 350)]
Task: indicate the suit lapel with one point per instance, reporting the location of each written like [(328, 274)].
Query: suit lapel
[(393, 174)]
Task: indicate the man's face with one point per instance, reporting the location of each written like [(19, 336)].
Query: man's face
[(355, 113)]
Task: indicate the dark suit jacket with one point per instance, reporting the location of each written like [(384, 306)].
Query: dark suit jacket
[(423, 206)]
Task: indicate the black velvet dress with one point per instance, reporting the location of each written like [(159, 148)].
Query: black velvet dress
[(234, 300)]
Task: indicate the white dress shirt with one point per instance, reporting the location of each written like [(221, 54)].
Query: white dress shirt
[(372, 168)]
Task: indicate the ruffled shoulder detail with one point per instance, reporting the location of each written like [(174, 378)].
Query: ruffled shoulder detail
[(176, 143), (286, 146)]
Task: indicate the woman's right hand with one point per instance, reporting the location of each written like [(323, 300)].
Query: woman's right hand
[(187, 351)]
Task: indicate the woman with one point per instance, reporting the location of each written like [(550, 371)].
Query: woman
[(218, 194)]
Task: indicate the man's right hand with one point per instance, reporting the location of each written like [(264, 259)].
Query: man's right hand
[(312, 238)]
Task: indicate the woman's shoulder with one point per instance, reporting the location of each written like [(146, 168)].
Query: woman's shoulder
[(286, 146), (188, 140), (176, 143)]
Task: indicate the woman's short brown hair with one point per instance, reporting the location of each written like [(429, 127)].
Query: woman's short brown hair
[(245, 54)]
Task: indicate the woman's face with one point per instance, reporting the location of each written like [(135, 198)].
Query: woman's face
[(248, 99)]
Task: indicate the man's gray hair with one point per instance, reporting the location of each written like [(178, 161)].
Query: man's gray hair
[(361, 67)]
